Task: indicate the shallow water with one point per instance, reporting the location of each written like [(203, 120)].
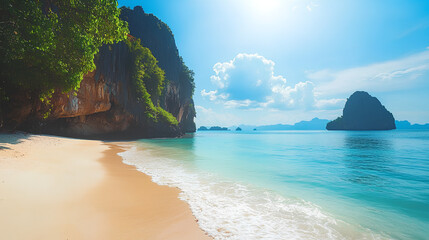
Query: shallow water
[(297, 184)]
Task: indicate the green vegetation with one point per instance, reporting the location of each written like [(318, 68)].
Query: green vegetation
[(166, 116), (187, 75), (49, 45), (148, 81), (144, 24)]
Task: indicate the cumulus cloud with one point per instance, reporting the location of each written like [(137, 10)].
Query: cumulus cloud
[(299, 96), (392, 75), (330, 104), (213, 95), (249, 82), (247, 76)]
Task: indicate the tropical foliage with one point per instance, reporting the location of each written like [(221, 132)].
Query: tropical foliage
[(147, 80), (187, 75), (50, 44)]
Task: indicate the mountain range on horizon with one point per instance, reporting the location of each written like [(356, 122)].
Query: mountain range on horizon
[(317, 124)]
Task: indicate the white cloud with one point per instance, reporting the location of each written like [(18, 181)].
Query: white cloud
[(299, 96), (244, 104), (211, 94), (397, 74), (248, 81), (335, 103), (201, 109)]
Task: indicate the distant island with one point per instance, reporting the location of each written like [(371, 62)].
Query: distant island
[(314, 124), (407, 125), (214, 128), (363, 112)]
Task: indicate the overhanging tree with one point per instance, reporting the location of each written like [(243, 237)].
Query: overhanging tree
[(49, 45)]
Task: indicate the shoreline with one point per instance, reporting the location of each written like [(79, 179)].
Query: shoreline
[(61, 188)]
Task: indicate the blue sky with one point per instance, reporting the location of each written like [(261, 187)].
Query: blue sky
[(273, 61)]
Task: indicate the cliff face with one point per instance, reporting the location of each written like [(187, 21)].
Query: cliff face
[(104, 107), (363, 112), (157, 36)]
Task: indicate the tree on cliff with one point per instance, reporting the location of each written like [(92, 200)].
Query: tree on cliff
[(49, 45), (162, 45), (147, 80)]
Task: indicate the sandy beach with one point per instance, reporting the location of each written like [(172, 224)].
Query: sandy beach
[(61, 188)]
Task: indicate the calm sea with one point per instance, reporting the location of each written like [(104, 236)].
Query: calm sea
[(297, 184)]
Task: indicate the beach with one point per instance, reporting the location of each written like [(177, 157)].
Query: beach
[(262, 185), (62, 188)]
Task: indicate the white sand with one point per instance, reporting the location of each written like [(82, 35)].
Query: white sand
[(60, 188)]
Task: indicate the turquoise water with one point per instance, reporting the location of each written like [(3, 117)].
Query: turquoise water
[(298, 184)]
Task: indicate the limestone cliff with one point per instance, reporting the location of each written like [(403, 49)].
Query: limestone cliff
[(157, 36), (104, 107), (363, 112)]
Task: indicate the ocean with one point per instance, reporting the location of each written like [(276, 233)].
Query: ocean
[(297, 184)]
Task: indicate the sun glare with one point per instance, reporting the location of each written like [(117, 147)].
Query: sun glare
[(264, 7)]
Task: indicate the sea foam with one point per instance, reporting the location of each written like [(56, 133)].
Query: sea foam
[(231, 210)]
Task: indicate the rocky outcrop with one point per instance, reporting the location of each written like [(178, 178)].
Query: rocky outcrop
[(104, 106), (157, 36), (91, 98), (363, 112)]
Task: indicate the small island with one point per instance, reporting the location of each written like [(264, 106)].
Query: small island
[(363, 112), (238, 129), (214, 128)]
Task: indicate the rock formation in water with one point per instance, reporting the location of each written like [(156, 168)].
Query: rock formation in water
[(103, 106), (363, 112)]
